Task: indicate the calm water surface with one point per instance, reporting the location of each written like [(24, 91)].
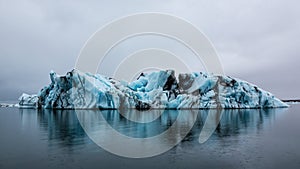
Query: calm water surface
[(243, 139)]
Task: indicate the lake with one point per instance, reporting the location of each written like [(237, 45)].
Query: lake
[(266, 138)]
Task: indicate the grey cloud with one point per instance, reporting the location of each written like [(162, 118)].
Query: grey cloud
[(257, 40)]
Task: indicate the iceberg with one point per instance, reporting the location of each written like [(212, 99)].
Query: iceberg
[(28, 101), (159, 90)]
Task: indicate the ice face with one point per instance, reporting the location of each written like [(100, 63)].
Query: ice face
[(151, 90)]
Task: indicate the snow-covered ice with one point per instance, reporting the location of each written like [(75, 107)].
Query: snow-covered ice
[(159, 89)]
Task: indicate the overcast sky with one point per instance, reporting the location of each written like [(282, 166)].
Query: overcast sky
[(257, 41)]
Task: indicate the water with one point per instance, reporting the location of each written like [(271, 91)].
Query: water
[(244, 139)]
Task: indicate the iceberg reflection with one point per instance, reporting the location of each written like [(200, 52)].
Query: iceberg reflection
[(63, 127)]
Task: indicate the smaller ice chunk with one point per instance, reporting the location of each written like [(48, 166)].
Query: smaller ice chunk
[(28, 101)]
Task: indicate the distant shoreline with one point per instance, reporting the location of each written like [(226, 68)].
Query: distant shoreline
[(290, 100)]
